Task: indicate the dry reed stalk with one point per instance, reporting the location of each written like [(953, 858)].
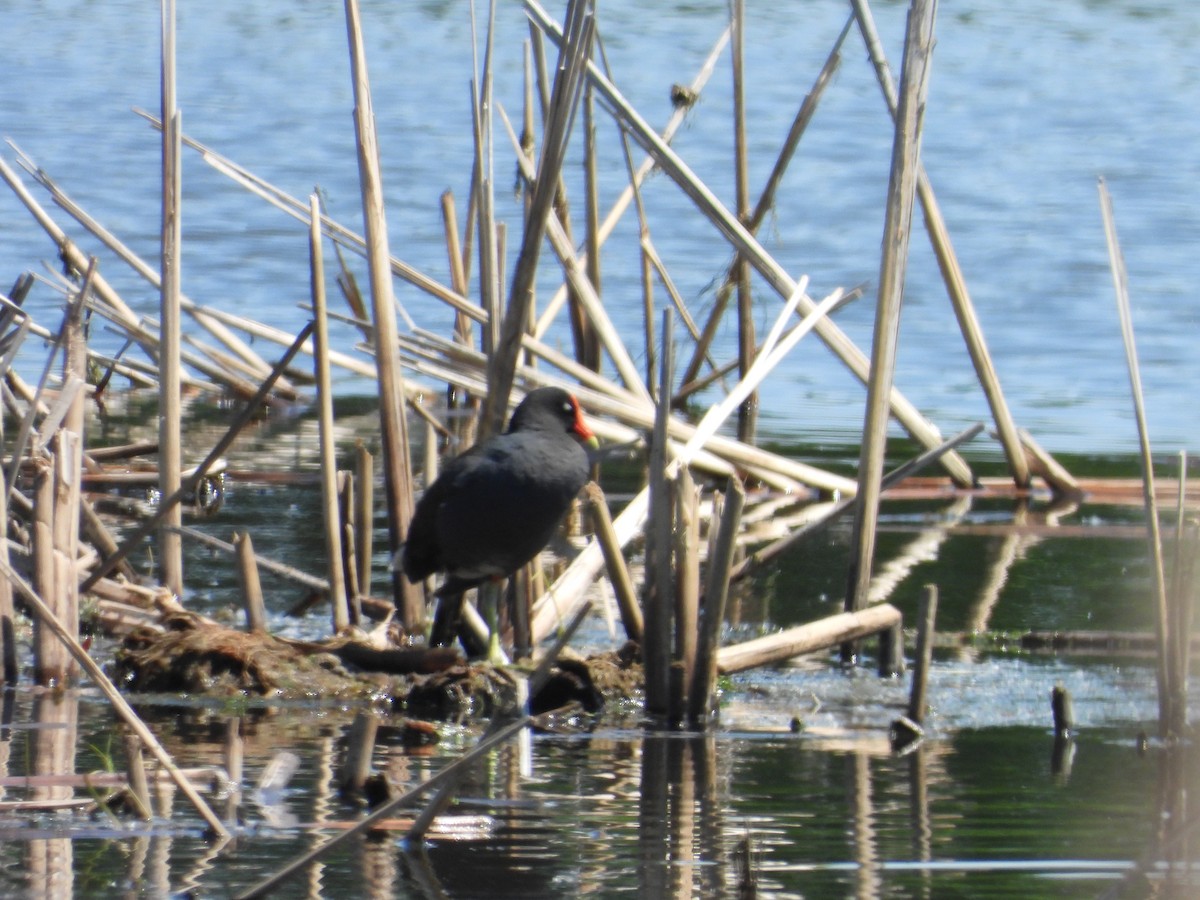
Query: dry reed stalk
[(956, 285), (741, 239), (926, 632), (251, 586), (198, 472), (716, 593), (458, 272), (590, 349), (49, 655), (897, 229), (614, 560), (1166, 674), (687, 590), (364, 516), (819, 635), (120, 704), (1182, 590), (397, 464), (327, 448), (170, 398), (568, 82), (660, 589), (748, 411)]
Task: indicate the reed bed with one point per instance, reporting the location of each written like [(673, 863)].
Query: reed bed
[(703, 531)]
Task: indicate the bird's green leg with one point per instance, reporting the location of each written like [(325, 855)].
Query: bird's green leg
[(489, 596)]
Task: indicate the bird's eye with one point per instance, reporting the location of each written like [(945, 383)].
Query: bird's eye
[(568, 408)]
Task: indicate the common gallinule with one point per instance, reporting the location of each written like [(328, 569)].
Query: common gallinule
[(495, 507)]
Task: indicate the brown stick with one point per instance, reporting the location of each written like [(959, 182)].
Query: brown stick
[(252, 595), (927, 616), (716, 593), (614, 560), (656, 653)]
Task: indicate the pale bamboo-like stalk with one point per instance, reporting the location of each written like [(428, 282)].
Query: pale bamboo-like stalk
[(398, 481), (170, 399), (330, 521), (251, 586), (956, 285), (364, 516), (897, 229), (1165, 669), (687, 590), (748, 411), (819, 635)]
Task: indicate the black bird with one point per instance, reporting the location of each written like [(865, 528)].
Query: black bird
[(495, 507)]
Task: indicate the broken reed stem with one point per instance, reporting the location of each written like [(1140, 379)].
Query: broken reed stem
[(927, 617), (120, 704), (197, 474), (325, 434), (819, 635), (716, 593), (897, 229), (1166, 675), (252, 595), (364, 516), (687, 590), (614, 560)]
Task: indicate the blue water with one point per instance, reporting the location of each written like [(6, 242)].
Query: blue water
[(1029, 103)]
